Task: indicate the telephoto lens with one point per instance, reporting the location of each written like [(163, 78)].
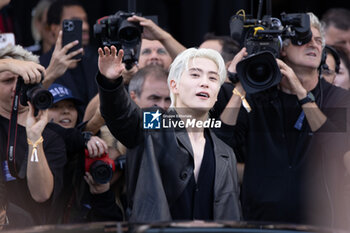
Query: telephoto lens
[(38, 96)]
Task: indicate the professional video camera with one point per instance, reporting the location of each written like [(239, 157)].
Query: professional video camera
[(263, 41), (35, 94), (118, 31)]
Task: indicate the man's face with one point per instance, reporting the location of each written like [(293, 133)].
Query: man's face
[(64, 113), (308, 55), (329, 74), (212, 44), (8, 82), (198, 86), (154, 53), (154, 92), (339, 38)]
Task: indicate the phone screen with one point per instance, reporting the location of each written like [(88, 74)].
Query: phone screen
[(6, 39), (72, 30)]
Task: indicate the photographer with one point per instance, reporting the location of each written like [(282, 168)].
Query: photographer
[(64, 113), (35, 179), (108, 200), (153, 33), (174, 174), (292, 138)]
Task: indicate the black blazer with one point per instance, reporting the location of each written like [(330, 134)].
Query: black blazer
[(162, 161)]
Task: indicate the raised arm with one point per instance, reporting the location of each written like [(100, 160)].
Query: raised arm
[(290, 83), (39, 176), (152, 31), (123, 117), (230, 113), (60, 60), (27, 69), (93, 116)]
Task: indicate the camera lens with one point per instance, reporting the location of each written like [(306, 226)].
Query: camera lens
[(101, 172), (259, 72), (41, 98), (128, 31), (129, 34)]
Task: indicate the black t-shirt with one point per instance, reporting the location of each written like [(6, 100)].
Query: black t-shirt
[(291, 173), (196, 202), (17, 189)]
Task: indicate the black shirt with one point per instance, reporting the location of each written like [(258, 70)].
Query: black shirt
[(196, 201), (287, 167), (17, 190)]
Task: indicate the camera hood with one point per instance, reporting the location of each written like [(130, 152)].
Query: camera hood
[(259, 72)]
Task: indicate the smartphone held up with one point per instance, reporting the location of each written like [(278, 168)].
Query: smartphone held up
[(72, 30)]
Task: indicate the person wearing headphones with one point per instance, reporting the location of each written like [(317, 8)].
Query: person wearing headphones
[(294, 136)]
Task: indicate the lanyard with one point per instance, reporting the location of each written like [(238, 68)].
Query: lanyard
[(12, 131)]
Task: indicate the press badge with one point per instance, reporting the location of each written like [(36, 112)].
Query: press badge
[(6, 171), (299, 123)]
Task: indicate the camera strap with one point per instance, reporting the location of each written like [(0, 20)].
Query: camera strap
[(12, 131)]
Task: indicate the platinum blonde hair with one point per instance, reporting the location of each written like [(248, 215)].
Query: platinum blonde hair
[(17, 52), (180, 64), (316, 23)]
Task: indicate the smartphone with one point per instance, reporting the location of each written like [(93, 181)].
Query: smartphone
[(72, 30), (6, 39)]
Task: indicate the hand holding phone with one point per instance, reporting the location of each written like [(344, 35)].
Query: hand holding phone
[(72, 30)]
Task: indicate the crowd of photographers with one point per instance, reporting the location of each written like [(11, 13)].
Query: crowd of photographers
[(71, 151)]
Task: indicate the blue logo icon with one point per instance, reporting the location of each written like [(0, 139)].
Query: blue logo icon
[(151, 120)]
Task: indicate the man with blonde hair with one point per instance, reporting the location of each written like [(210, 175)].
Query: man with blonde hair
[(174, 173)]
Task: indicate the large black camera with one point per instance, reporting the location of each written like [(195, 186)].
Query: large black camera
[(263, 40), (38, 96), (118, 31)]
